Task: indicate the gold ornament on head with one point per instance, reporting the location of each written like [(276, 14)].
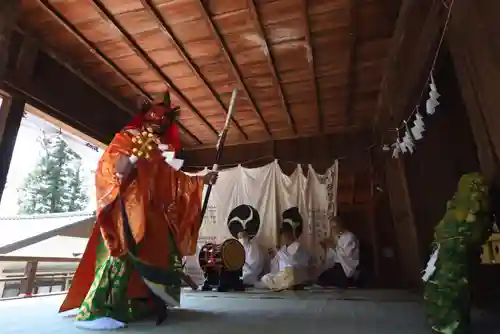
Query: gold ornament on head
[(145, 142)]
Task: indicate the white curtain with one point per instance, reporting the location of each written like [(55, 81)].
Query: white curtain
[(270, 192)]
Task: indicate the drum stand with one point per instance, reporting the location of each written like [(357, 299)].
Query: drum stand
[(223, 280)]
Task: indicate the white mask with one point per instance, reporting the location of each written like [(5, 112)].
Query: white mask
[(243, 241)]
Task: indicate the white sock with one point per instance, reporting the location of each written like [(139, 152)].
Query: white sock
[(100, 324)]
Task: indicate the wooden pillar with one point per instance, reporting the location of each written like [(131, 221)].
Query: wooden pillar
[(10, 117), (28, 284), (404, 223), (11, 113), (370, 209), (475, 64)]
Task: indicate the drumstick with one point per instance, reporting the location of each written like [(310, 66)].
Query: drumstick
[(189, 281)]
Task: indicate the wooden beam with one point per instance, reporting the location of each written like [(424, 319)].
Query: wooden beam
[(74, 68), (326, 148), (310, 63), (418, 28), (150, 7), (270, 60), (54, 13), (80, 106), (27, 57), (351, 72), (468, 65), (107, 16), (234, 68)]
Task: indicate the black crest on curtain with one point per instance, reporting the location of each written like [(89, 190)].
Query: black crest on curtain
[(244, 218)]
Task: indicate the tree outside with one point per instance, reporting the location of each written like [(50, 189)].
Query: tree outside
[(57, 183)]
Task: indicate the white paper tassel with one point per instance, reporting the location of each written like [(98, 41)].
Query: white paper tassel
[(432, 84), (419, 122), (432, 102), (430, 106), (416, 132), (170, 157), (431, 265), (408, 142), (175, 163), (397, 150), (402, 146), (434, 95)]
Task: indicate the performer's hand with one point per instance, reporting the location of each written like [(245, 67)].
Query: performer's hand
[(123, 167), (210, 178)]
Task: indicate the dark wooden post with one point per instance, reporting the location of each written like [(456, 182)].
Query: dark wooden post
[(10, 116), (404, 223), (28, 284), (11, 112)]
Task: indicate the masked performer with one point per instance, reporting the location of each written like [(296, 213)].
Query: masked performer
[(148, 217)]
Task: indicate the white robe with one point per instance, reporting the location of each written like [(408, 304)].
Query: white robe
[(346, 253), (254, 262), (293, 265)]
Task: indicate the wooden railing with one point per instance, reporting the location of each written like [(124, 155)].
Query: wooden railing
[(30, 276)]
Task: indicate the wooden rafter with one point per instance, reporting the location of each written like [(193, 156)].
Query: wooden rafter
[(106, 15), (351, 67), (270, 60), (79, 73), (234, 68), (310, 62), (150, 7), (54, 13)]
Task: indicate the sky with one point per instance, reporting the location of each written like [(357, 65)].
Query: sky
[(27, 151)]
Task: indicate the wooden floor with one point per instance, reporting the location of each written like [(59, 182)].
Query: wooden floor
[(307, 312)]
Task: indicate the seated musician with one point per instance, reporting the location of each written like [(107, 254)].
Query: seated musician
[(293, 262), (342, 257), (254, 259)]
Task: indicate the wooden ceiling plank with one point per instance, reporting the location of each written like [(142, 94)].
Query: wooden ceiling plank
[(54, 13), (151, 8), (79, 73), (270, 59), (310, 61), (353, 56), (107, 16), (234, 68)]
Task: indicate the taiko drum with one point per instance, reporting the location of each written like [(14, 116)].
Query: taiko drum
[(229, 255)]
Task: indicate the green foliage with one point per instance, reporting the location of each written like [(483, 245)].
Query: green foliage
[(460, 234), (56, 184)]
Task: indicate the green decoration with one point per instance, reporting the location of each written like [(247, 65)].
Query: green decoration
[(458, 238)]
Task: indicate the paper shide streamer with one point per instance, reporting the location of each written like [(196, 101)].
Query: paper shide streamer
[(414, 133)]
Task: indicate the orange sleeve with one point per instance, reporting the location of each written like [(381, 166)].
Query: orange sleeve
[(189, 202), (109, 215)]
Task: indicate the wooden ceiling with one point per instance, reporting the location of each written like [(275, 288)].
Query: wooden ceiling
[(303, 68)]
